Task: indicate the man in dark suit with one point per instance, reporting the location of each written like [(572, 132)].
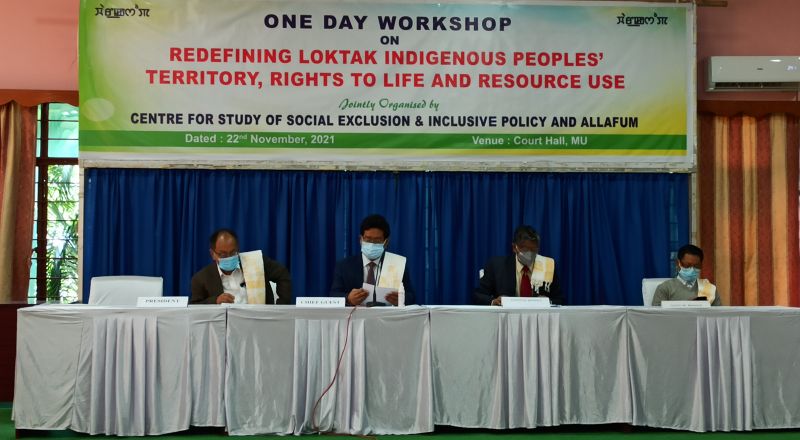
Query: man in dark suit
[(222, 280), (524, 273), (351, 273)]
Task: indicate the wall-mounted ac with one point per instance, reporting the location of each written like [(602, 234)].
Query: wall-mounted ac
[(753, 73)]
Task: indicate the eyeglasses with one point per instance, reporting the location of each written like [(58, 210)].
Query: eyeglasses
[(226, 254), (373, 240), (523, 247), (692, 266)]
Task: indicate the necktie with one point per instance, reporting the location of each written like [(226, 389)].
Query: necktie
[(371, 273), (525, 282)]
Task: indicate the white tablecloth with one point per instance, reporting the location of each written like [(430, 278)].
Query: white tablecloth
[(281, 359), (499, 368), (718, 369), (119, 371)]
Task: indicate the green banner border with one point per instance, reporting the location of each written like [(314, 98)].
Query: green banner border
[(594, 144)]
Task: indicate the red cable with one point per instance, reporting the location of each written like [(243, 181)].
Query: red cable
[(314, 425)]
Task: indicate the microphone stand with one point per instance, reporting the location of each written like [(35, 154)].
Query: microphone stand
[(375, 302)]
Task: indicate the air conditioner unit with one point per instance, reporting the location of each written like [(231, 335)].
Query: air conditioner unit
[(753, 73)]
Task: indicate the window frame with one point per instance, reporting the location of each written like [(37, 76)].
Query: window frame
[(43, 162)]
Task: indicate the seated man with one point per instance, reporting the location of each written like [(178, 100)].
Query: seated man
[(369, 266), (223, 280), (686, 286), (523, 273)]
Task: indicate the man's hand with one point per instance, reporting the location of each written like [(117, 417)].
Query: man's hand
[(357, 296), (392, 298), (497, 301), (226, 298)]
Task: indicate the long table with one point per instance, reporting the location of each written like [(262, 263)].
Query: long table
[(119, 371), (720, 369), (716, 369), (499, 368), (281, 358), (261, 369)]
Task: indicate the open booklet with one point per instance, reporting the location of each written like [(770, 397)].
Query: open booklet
[(379, 294), (255, 290)]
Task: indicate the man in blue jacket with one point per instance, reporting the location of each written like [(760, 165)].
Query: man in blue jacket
[(369, 266)]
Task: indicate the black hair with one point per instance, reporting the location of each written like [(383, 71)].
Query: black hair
[(375, 221), (524, 233), (691, 250), (212, 241)]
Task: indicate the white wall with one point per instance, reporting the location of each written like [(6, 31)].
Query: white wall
[(39, 40), (39, 44)]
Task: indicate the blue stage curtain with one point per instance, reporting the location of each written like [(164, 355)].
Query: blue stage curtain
[(606, 231)]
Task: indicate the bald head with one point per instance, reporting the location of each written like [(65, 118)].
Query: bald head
[(223, 243)]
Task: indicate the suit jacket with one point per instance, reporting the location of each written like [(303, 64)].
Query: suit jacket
[(207, 284), (500, 279), (349, 275)]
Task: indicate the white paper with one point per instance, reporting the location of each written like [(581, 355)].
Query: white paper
[(253, 271), (320, 301), (162, 301), (533, 302), (390, 272), (380, 294), (685, 304)]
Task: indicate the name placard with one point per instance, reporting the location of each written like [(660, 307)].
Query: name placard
[(162, 301), (537, 302), (319, 301), (685, 304)]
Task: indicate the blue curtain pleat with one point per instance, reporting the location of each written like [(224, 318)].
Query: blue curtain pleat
[(606, 231)]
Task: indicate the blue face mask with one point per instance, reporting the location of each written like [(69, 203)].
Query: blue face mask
[(229, 264), (689, 274), (372, 251)]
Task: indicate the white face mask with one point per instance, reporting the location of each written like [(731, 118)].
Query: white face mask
[(526, 257)]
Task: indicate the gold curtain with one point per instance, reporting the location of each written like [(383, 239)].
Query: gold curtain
[(748, 207), (17, 161)]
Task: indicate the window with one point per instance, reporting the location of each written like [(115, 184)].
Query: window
[(54, 262)]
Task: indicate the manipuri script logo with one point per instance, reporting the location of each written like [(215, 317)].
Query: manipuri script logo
[(135, 11), (642, 20)]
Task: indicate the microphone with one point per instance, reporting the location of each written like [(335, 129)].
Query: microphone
[(375, 302), (243, 284)]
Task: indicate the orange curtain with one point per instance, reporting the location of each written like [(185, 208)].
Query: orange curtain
[(748, 207), (17, 161)]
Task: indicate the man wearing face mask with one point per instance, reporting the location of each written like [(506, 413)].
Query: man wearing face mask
[(223, 280), (686, 286), (353, 272), (524, 273)]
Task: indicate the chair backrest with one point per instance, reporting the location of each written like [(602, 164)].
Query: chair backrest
[(649, 289), (123, 290)]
